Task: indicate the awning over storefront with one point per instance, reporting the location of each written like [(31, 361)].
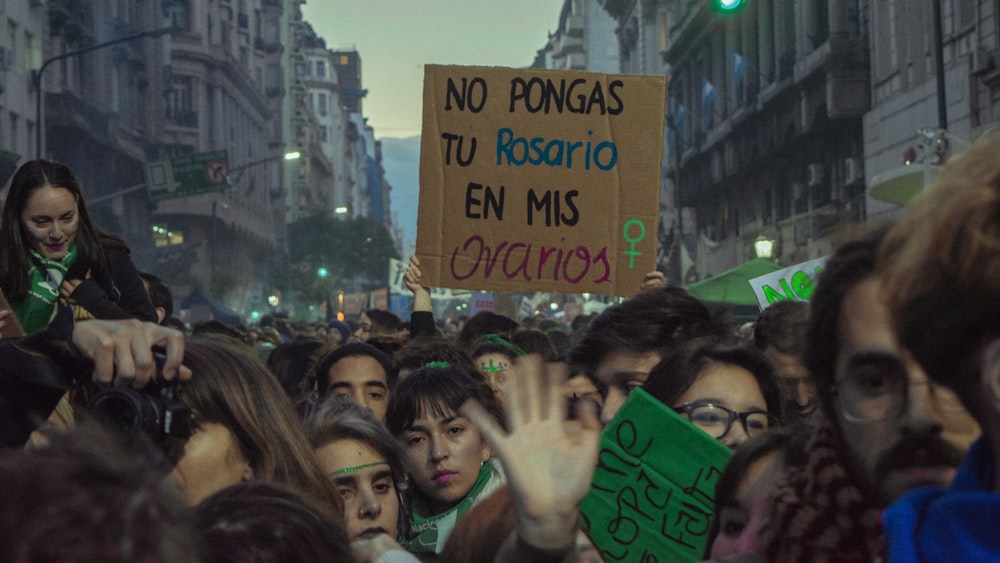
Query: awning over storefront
[(731, 289)]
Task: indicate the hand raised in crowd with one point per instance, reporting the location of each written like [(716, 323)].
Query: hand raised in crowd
[(653, 280), (549, 458), (421, 295), (122, 350)]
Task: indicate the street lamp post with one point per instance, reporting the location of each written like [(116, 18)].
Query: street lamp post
[(37, 75), (231, 179)]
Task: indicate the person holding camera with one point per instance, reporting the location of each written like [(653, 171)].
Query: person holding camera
[(36, 370)]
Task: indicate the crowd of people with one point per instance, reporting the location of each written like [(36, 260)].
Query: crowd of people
[(864, 425)]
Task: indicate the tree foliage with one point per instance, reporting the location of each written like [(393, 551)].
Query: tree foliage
[(355, 251)]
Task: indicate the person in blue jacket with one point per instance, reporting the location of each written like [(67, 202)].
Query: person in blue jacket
[(942, 267)]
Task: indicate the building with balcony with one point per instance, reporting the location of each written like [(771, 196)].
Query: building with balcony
[(764, 132), (24, 27)]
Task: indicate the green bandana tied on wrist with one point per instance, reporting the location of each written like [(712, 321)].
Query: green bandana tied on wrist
[(35, 309)]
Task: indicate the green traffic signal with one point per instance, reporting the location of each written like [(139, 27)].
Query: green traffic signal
[(322, 272), (728, 6)]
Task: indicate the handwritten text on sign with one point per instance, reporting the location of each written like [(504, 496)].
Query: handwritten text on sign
[(547, 180), (651, 498)]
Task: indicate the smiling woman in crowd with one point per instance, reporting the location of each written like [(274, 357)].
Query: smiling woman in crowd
[(51, 250)]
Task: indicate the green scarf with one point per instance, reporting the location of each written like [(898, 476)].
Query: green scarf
[(431, 532), (36, 308)]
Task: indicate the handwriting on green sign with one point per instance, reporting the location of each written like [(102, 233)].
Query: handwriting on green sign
[(632, 252)]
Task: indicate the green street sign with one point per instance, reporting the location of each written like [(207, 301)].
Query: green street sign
[(188, 175)]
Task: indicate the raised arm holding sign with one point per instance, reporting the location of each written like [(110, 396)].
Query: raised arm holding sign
[(540, 180)]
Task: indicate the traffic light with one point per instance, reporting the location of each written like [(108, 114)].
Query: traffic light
[(728, 6), (322, 272)]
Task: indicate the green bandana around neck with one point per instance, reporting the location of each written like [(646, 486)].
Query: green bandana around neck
[(431, 532), (35, 309)]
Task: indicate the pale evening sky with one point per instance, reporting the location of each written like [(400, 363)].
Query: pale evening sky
[(396, 38)]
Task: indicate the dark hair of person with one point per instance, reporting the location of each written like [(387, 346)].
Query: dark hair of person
[(754, 449), (534, 341), (338, 419), (850, 264), (493, 344), (435, 392), (351, 350), (782, 326), (159, 293), (14, 251), (426, 348), (481, 324), (292, 363), (383, 322), (83, 498), (213, 326), (655, 320), (388, 344), (232, 387), (269, 522), (675, 374)]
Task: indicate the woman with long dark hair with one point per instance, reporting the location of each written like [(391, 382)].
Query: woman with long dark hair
[(51, 250)]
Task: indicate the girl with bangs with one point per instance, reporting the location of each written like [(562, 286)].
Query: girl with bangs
[(451, 466)]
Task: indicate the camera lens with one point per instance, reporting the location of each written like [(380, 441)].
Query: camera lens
[(125, 411)]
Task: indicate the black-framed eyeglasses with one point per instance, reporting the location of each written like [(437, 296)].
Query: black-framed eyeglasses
[(879, 390), (717, 420)]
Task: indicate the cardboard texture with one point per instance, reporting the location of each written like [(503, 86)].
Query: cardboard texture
[(651, 498), (539, 180)]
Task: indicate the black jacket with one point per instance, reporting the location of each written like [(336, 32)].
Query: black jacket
[(35, 371), (116, 293)]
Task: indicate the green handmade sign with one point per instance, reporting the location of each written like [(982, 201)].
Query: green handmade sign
[(651, 498)]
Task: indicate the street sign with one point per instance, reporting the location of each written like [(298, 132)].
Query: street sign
[(188, 175)]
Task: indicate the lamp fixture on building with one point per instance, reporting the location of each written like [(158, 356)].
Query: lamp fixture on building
[(763, 247)]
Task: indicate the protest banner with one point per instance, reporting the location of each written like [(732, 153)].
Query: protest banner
[(795, 283), (539, 180), (653, 489), (397, 269)]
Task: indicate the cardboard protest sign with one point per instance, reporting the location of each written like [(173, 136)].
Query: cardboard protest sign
[(651, 498), (538, 179), (796, 283)]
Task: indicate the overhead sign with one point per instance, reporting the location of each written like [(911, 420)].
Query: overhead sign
[(188, 175), (652, 494), (795, 283), (539, 180)]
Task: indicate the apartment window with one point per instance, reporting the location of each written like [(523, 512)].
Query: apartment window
[(180, 101), (178, 13), (322, 103), (324, 133), (321, 69)]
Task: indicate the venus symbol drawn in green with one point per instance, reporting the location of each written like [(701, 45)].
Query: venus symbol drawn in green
[(632, 252)]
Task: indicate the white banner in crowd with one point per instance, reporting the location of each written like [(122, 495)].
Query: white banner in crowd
[(397, 269), (795, 282)]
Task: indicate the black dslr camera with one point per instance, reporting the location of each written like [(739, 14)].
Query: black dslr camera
[(155, 410)]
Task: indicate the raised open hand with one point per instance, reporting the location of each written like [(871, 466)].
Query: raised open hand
[(548, 457)]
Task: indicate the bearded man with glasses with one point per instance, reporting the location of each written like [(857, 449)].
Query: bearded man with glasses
[(887, 428)]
